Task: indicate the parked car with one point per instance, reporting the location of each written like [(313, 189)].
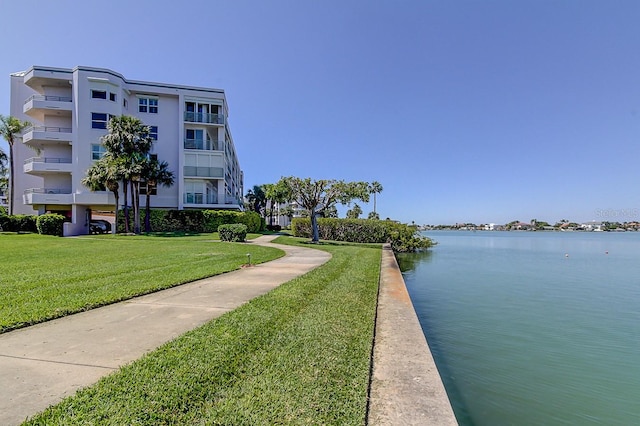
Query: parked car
[(99, 226)]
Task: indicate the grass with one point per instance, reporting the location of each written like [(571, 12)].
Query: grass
[(43, 277), (297, 355)]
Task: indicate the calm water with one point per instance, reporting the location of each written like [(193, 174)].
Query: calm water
[(524, 335)]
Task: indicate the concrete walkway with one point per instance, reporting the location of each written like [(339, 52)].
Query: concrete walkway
[(42, 364)]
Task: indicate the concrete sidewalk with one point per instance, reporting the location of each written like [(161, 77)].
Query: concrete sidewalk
[(42, 364)]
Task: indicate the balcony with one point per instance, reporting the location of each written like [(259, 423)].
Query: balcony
[(201, 144), (95, 198), (40, 77), (202, 117), (35, 196), (200, 199), (38, 136), (208, 172), (37, 106), (41, 166)]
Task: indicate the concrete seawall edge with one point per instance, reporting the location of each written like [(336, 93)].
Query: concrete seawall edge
[(406, 388)]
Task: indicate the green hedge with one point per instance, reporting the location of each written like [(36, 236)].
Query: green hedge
[(19, 223), (402, 237), (50, 224), (194, 221), (236, 232)]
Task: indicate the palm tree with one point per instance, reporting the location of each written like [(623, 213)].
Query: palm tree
[(257, 198), (355, 212), (129, 141), (10, 128), (276, 193), (375, 188), (105, 173), (156, 173)]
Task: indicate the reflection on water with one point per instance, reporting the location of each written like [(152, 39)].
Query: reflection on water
[(533, 328), (408, 262)]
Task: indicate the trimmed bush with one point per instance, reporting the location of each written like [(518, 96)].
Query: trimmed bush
[(236, 232), (5, 223), (19, 223), (402, 237), (50, 224), (193, 221)]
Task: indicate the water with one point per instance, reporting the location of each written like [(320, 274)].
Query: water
[(533, 328)]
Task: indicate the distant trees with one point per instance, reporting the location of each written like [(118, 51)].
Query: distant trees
[(10, 129), (375, 188), (256, 199), (276, 194), (355, 212)]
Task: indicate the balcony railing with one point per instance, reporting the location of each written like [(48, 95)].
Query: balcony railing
[(231, 200), (201, 144), (48, 160), (48, 129), (47, 191), (215, 172), (200, 198), (49, 98), (202, 117)]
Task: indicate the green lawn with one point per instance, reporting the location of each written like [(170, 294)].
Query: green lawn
[(43, 277), (297, 355)]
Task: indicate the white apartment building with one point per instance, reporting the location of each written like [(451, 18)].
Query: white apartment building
[(69, 110)]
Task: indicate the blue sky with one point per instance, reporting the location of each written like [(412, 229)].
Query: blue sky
[(465, 111)]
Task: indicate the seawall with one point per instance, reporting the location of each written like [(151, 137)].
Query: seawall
[(406, 388)]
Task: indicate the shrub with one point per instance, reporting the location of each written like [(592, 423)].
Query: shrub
[(255, 222), (233, 232), (5, 223), (50, 224), (275, 228), (196, 221), (19, 223), (215, 218), (402, 237)]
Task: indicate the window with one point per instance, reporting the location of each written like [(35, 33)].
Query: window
[(149, 105), (99, 94), (153, 106), (99, 120), (125, 104), (112, 97), (97, 151), (153, 132)]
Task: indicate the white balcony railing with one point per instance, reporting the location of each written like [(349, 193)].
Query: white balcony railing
[(38, 165), (47, 196), (211, 172), (39, 135), (201, 144), (48, 98), (199, 198), (203, 117), (38, 106)]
